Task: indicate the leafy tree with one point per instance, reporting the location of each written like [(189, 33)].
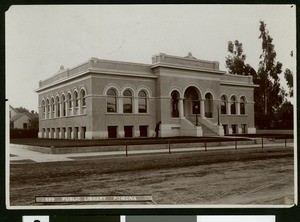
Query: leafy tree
[(22, 110), (269, 95), (284, 116), (288, 75), (235, 61)]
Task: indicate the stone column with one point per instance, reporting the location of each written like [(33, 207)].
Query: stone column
[(80, 105), (73, 107), (135, 104), (120, 105), (238, 108), (61, 108), (202, 109), (46, 111), (228, 108), (181, 110)]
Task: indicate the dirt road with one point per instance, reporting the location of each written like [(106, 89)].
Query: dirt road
[(218, 177)]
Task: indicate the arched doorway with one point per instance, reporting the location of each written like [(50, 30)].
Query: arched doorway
[(174, 104), (208, 105), (191, 103)]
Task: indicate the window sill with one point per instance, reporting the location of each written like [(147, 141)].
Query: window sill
[(61, 117), (235, 115), (129, 114)]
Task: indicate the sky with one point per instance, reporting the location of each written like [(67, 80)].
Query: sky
[(40, 38)]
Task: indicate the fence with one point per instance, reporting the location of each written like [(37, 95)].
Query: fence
[(206, 141)]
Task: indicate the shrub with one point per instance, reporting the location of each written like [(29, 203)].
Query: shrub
[(23, 133)]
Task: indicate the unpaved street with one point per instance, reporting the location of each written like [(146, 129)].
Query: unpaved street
[(218, 177)]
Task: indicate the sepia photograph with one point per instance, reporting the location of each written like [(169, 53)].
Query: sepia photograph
[(150, 106)]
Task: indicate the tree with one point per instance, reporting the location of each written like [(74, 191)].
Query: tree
[(288, 75), (22, 110), (235, 61), (269, 95), (284, 116)]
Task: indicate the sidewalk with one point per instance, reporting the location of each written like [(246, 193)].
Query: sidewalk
[(19, 154)]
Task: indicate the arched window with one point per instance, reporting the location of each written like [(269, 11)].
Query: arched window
[(208, 105), (242, 105), (111, 101), (63, 102), (223, 104), (175, 100), (48, 108), (82, 97), (53, 107), (142, 102), (233, 105), (57, 107), (70, 103), (76, 98), (44, 109), (127, 101)]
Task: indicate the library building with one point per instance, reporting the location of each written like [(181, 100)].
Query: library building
[(180, 96)]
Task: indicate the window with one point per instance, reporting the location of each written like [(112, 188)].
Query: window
[(223, 104), (111, 101), (69, 133), (70, 100), (242, 106), (128, 131), (175, 111), (44, 109), (76, 99), (83, 132), (112, 131), (82, 97), (244, 128), (234, 129), (58, 107), (53, 106), (233, 105), (127, 101), (225, 128), (76, 131), (48, 108), (142, 102), (63, 102), (143, 131)]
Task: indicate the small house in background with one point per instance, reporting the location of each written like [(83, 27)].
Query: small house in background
[(22, 120), (12, 112)]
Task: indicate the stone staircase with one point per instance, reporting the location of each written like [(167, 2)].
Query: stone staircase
[(208, 132)]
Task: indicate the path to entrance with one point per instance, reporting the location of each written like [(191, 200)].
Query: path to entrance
[(19, 155)]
